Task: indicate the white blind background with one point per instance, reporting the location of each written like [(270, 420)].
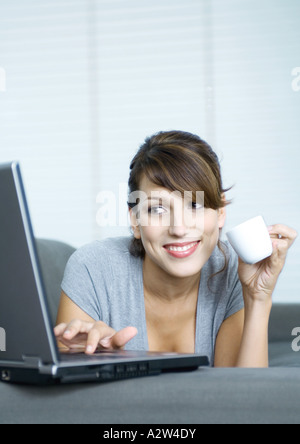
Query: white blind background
[(256, 47), (88, 80)]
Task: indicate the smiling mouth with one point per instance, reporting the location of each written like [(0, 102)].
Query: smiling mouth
[(184, 247), (182, 250)]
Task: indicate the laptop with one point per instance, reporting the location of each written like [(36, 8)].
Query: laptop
[(28, 348)]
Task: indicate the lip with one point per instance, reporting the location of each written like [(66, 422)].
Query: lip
[(182, 254)]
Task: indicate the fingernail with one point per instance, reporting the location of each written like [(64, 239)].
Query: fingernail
[(89, 348), (67, 333)]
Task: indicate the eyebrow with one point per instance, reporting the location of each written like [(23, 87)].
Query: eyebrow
[(158, 199), (134, 204), (163, 197), (155, 198)]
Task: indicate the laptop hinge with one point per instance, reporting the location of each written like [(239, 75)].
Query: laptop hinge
[(32, 361)]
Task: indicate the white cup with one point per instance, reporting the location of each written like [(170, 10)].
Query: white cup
[(251, 240)]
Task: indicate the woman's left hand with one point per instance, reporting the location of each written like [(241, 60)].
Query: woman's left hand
[(259, 280)]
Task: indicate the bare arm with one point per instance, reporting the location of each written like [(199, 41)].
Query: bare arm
[(244, 343), (68, 310), (229, 341), (254, 350), (76, 329), (243, 338)]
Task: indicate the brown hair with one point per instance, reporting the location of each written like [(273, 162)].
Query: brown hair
[(178, 161)]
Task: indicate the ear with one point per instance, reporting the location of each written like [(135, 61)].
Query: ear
[(222, 212), (134, 224), (222, 217)]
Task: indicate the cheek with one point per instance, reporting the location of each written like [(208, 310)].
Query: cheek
[(150, 237), (150, 234), (211, 223)]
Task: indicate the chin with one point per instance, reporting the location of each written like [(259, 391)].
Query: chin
[(185, 270)]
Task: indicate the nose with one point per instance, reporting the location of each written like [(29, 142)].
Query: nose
[(178, 231), (178, 227)]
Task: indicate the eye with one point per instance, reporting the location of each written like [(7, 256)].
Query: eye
[(196, 206), (157, 210)]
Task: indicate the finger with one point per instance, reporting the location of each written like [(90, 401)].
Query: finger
[(58, 332), (59, 329), (99, 332), (75, 327), (122, 337), (280, 250), (281, 246), (67, 343), (283, 231)]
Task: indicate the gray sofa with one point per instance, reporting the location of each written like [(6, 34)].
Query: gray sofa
[(201, 397)]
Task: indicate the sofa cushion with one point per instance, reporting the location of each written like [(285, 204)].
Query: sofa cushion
[(281, 354), (284, 318), (206, 396), (53, 257)]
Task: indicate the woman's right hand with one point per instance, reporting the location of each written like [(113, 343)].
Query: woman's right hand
[(92, 336)]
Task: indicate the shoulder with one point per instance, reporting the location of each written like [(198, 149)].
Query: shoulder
[(102, 263), (223, 255), (111, 250)]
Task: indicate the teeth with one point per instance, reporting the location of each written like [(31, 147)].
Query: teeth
[(186, 248)]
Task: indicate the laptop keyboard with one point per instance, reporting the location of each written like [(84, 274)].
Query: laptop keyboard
[(71, 355)]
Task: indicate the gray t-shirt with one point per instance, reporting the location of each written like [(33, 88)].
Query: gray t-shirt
[(106, 282)]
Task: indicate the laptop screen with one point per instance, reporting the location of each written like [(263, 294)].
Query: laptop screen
[(24, 319)]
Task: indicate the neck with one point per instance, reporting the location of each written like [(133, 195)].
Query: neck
[(163, 286)]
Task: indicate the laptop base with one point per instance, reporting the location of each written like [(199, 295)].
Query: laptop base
[(71, 375)]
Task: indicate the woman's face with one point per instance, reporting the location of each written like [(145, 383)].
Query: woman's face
[(178, 235)]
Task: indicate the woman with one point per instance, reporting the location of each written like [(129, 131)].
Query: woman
[(175, 286)]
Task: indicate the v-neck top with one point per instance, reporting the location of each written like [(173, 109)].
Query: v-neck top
[(106, 282)]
